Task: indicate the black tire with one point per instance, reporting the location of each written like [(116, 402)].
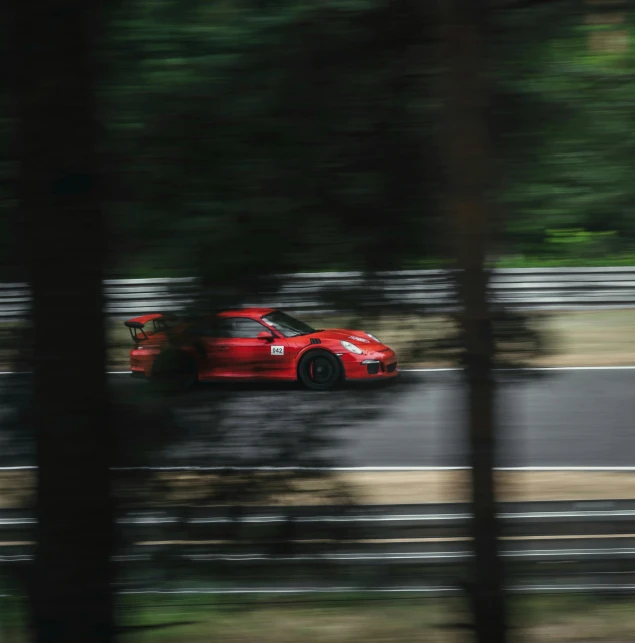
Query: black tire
[(174, 371), (320, 370)]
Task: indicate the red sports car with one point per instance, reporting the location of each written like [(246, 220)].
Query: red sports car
[(254, 343)]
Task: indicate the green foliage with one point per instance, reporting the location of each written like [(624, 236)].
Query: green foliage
[(248, 137), (269, 138), (565, 261), (581, 243), (567, 132), (257, 137)]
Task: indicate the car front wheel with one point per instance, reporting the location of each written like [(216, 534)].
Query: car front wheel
[(320, 371)]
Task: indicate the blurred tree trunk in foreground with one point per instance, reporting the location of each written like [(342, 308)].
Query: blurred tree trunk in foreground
[(59, 199), (469, 167)]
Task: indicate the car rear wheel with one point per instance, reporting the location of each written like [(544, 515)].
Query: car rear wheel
[(174, 371), (320, 370)]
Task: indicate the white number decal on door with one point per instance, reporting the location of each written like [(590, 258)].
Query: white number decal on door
[(277, 350)]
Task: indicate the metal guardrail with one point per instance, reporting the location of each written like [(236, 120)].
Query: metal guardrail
[(350, 525), (548, 546), (124, 297), (433, 290)]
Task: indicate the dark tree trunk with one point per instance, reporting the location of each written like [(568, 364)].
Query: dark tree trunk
[(55, 53), (469, 167)]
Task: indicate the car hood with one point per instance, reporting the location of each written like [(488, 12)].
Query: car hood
[(357, 337)]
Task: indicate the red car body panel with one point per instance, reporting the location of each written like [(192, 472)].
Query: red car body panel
[(253, 357)]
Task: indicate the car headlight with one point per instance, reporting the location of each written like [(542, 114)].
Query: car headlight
[(373, 337), (351, 347)]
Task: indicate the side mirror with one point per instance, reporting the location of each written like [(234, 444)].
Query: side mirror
[(265, 336)]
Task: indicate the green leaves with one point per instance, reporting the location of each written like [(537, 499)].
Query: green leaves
[(567, 132), (277, 136)]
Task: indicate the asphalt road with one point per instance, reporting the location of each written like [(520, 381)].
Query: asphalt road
[(556, 418), (546, 418)]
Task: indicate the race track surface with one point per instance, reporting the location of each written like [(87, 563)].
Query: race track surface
[(546, 418)]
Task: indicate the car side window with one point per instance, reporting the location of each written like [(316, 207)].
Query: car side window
[(243, 328), (224, 328)]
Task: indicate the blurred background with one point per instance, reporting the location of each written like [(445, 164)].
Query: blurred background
[(454, 177)]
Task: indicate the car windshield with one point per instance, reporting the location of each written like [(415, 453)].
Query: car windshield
[(286, 325)]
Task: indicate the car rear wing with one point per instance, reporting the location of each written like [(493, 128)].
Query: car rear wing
[(138, 325)]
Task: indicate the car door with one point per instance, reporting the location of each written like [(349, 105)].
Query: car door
[(249, 354), (209, 341)]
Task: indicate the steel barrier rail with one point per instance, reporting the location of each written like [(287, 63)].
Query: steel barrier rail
[(433, 290), (167, 566), (428, 556), (591, 519), (624, 586), (550, 546)]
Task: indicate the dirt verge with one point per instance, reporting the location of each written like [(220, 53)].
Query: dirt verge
[(17, 488)]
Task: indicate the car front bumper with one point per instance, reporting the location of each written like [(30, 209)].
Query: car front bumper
[(370, 366)]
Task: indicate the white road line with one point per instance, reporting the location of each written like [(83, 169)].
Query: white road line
[(376, 469), (380, 468), (388, 469), (527, 368), (429, 370), (443, 370)]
